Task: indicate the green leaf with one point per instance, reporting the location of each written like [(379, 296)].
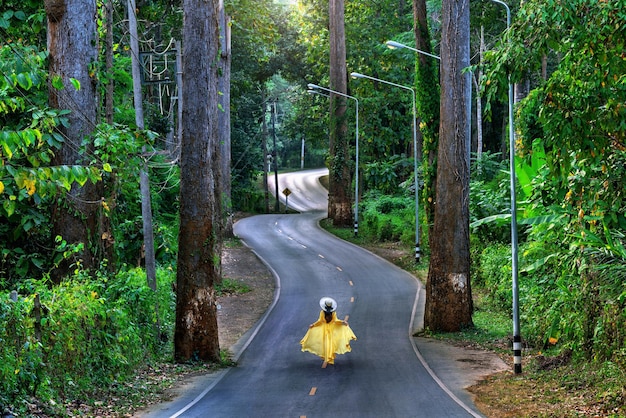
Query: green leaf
[(5, 146), (498, 219), (9, 206), (24, 81), (78, 174), (107, 167), (539, 220), (537, 264), (57, 82), (75, 83)]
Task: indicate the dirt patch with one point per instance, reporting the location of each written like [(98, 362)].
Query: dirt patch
[(238, 313)]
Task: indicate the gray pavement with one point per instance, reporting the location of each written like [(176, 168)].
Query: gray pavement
[(454, 368)]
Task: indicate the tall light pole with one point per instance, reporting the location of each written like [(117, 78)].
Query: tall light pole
[(417, 230), (313, 89), (517, 339)]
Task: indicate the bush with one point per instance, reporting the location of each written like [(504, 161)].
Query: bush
[(494, 273), (388, 218), (88, 334)]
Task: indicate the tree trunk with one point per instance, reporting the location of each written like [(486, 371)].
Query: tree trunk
[(340, 174), (72, 47), (448, 291), (144, 180), (199, 248), (224, 118)]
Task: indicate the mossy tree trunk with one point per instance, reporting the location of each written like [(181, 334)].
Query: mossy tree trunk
[(340, 174)]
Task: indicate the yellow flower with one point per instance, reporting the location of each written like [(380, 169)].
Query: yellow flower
[(30, 186), (552, 340), (1, 187)]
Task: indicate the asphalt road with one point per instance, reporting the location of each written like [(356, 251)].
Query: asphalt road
[(382, 376)]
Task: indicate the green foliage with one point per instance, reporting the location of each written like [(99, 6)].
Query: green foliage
[(572, 157), (23, 20), (493, 268), (606, 378), (29, 180), (90, 333), (230, 287), (385, 176), (388, 218), (577, 113), (490, 197)]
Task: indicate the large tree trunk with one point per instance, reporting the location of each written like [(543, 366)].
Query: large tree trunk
[(72, 46), (199, 249), (448, 291), (340, 175)]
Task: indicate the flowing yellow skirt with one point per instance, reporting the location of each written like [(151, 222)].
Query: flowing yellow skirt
[(328, 339)]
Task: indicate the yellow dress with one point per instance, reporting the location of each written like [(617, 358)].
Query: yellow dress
[(328, 338)]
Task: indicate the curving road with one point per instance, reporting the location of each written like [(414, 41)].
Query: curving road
[(382, 376)]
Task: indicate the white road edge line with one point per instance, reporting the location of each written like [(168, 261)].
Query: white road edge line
[(247, 343), (415, 348), (423, 361)]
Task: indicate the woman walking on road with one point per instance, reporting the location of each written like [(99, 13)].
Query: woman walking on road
[(328, 335)]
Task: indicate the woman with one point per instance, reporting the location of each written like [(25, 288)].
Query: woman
[(328, 335)]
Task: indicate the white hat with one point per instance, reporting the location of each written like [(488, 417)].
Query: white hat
[(328, 304)]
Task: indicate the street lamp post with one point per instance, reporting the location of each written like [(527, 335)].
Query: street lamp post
[(394, 45), (313, 89), (517, 339), (417, 231)]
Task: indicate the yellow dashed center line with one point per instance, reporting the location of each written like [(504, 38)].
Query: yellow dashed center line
[(351, 284), (312, 391), (339, 268), (352, 299)]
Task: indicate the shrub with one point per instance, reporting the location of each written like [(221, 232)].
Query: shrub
[(494, 272), (88, 333), (388, 218)]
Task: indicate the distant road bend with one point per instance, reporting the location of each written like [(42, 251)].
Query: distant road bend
[(381, 377)]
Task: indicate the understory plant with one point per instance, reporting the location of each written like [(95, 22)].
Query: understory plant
[(82, 336), (388, 218)]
